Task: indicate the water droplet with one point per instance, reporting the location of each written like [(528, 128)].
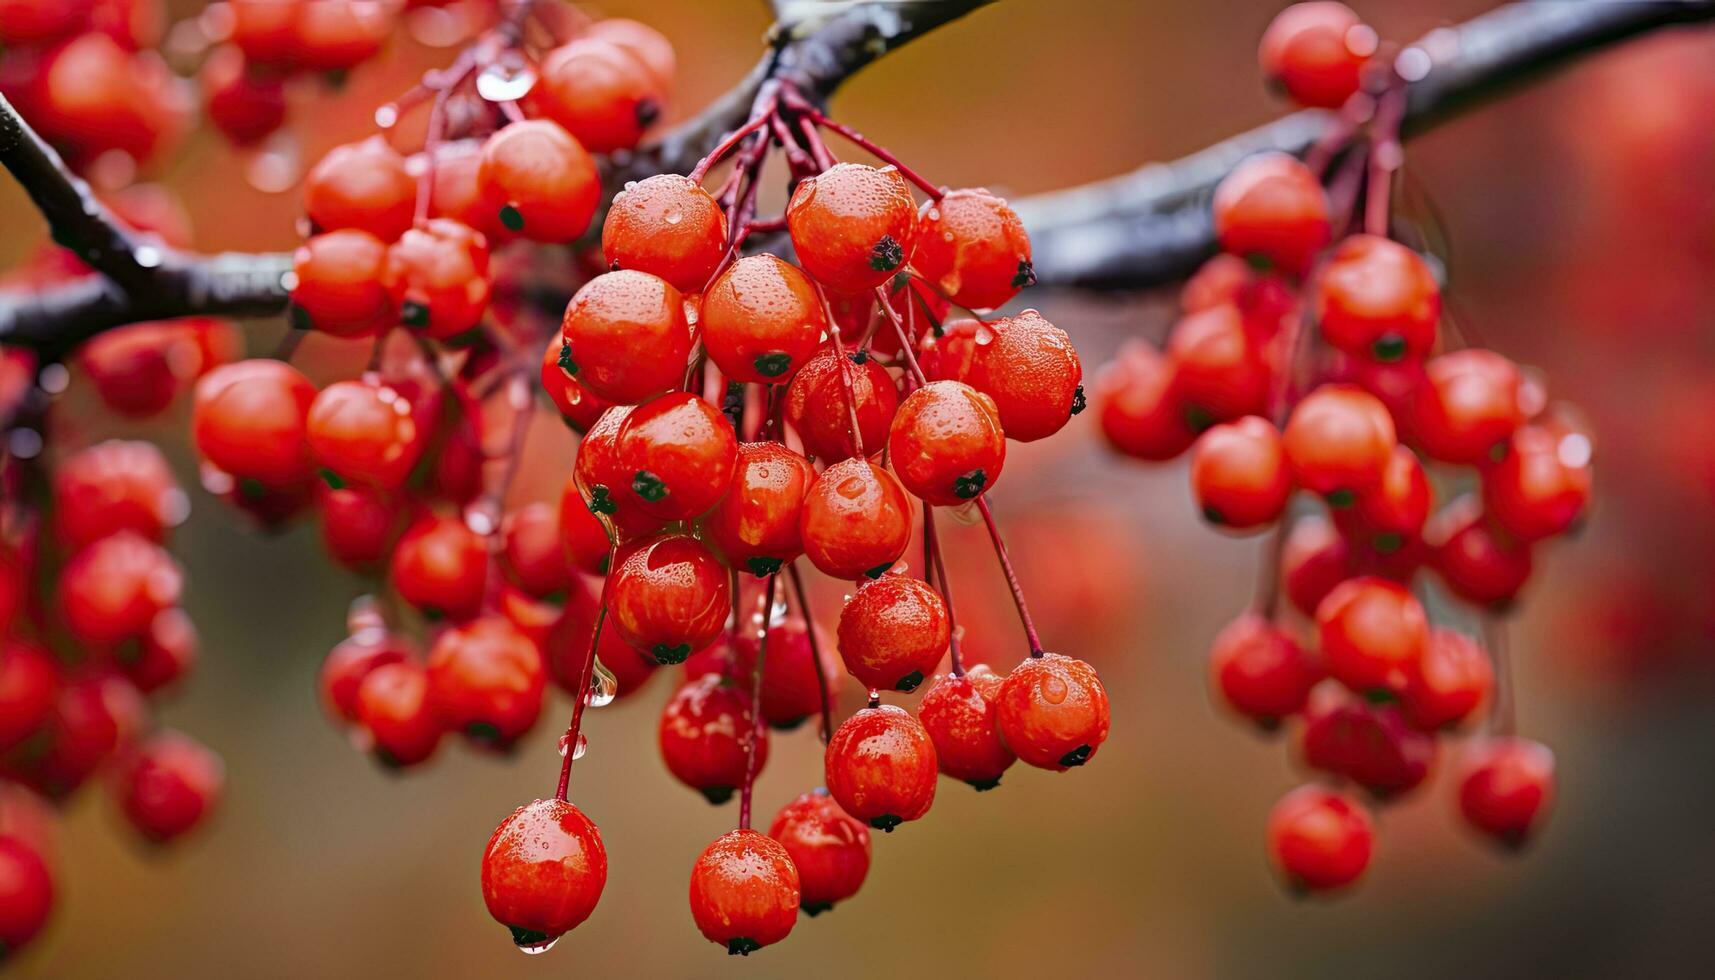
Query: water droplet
[(273, 166), (387, 116), (537, 949), (147, 256), (604, 686), (1575, 450), (25, 443), (672, 217), (505, 81), (54, 378)]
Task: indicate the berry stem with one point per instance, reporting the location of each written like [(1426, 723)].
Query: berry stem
[(1266, 601), (819, 151), (756, 720), (1011, 578), (904, 337), (933, 562), (1387, 154), (845, 368), (586, 674), (1501, 711), (758, 119), (873, 149), (815, 651)]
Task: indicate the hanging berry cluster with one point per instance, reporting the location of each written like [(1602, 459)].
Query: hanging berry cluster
[(1315, 361)]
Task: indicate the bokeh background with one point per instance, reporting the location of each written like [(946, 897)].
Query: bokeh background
[(1581, 219)]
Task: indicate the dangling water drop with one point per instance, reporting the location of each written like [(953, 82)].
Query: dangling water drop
[(537, 949), (604, 686), (505, 81)]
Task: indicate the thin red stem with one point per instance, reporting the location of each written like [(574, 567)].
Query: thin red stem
[(815, 651), (932, 545), (756, 720), (1011, 578), (586, 674), (813, 142), (873, 149), (758, 120), (904, 336), (1387, 154), (1501, 711), (845, 369)]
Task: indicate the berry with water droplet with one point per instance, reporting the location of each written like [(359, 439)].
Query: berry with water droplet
[(744, 892), (1053, 711), (543, 871), (881, 767)]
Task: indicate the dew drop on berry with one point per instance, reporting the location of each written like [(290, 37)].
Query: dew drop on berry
[(537, 949), (505, 81), (1053, 689)]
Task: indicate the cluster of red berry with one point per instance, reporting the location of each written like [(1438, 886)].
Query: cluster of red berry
[(1308, 364)]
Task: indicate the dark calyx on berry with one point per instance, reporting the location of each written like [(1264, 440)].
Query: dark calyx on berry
[(773, 364), (886, 822), (332, 479), (1079, 403), (860, 356), (299, 318), (910, 681), (648, 111), (742, 946), (1387, 542), (483, 732), (716, 794), (879, 570), (601, 500), (790, 724), (972, 483), (512, 218), (762, 567), (886, 255), (528, 937), (414, 314), (566, 363), (1342, 498), (665, 654), (1213, 515), (648, 486), (813, 909), (1198, 418), (983, 785), (1025, 276), (1389, 348), (1077, 756)]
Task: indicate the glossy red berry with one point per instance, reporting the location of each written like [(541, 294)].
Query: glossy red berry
[(115, 486), (1239, 475), (1370, 744), (893, 633), (667, 226), (168, 785), (167, 652), (1271, 206), (791, 692), (1452, 679), (364, 432), (441, 566), (338, 36), (668, 596), (531, 552), (578, 406), (352, 660), (1315, 559), (244, 104), (1478, 562), (1471, 403), (29, 680), (341, 283), (827, 845), (972, 247), (602, 93), (486, 679), (1339, 441), (1138, 405), (962, 717), (756, 524), (704, 732), (853, 226), (946, 443), (628, 337), (393, 708), (359, 524), (539, 180), (361, 185), (1319, 840), (110, 591), (1373, 633), (745, 892), (568, 642), (1376, 298), (1259, 670), (856, 520), (582, 535), (1394, 510), (437, 276), (819, 404), (1053, 712), (1033, 374), (1507, 788), (95, 715), (1316, 52), (676, 454), (881, 767), (1218, 370), (601, 480), (249, 418), (645, 43), (543, 872), (762, 320), (26, 893), (1541, 485)]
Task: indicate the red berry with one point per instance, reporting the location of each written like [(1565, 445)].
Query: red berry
[(1370, 744), (819, 405), (1218, 369), (704, 732), (972, 247), (351, 661), (1053, 712), (962, 717), (893, 633), (249, 419), (762, 320), (167, 652), (266, 30), (676, 454), (337, 36), (29, 680), (856, 520), (577, 405), (756, 524), (829, 848), (1260, 671), (486, 679), (1138, 405), (601, 480), (395, 712), (169, 785), (1376, 298), (1316, 52), (441, 566), (95, 715), (543, 872), (1318, 839), (35, 21), (1339, 440), (1271, 206), (628, 336), (437, 275), (791, 691), (1373, 633), (881, 767), (946, 443), (539, 180), (115, 486), (668, 596), (243, 104), (1507, 788), (581, 533), (1541, 486), (361, 185), (364, 432), (110, 591), (1315, 559), (26, 893), (853, 226), (568, 642), (532, 554), (1478, 562), (667, 226), (602, 93), (744, 892), (341, 286), (1395, 509), (138, 369), (359, 524), (1239, 474), (1451, 680), (1471, 404), (454, 190), (649, 46), (1032, 373)]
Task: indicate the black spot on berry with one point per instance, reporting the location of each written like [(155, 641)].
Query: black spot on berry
[(332, 479), (1213, 515), (983, 785), (879, 570), (773, 364), (566, 363), (886, 822), (1077, 756), (813, 909), (1079, 403), (648, 486), (665, 654), (742, 946), (762, 567), (512, 218), (972, 483), (910, 682), (527, 937), (414, 314), (1389, 347), (1342, 499), (860, 356), (1025, 276), (886, 255), (601, 500), (716, 795), (299, 318), (648, 110)]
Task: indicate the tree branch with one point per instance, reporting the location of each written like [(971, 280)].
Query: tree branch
[(816, 46), (1153, 225)]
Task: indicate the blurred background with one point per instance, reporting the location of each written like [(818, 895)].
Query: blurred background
[(1582, 229)]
